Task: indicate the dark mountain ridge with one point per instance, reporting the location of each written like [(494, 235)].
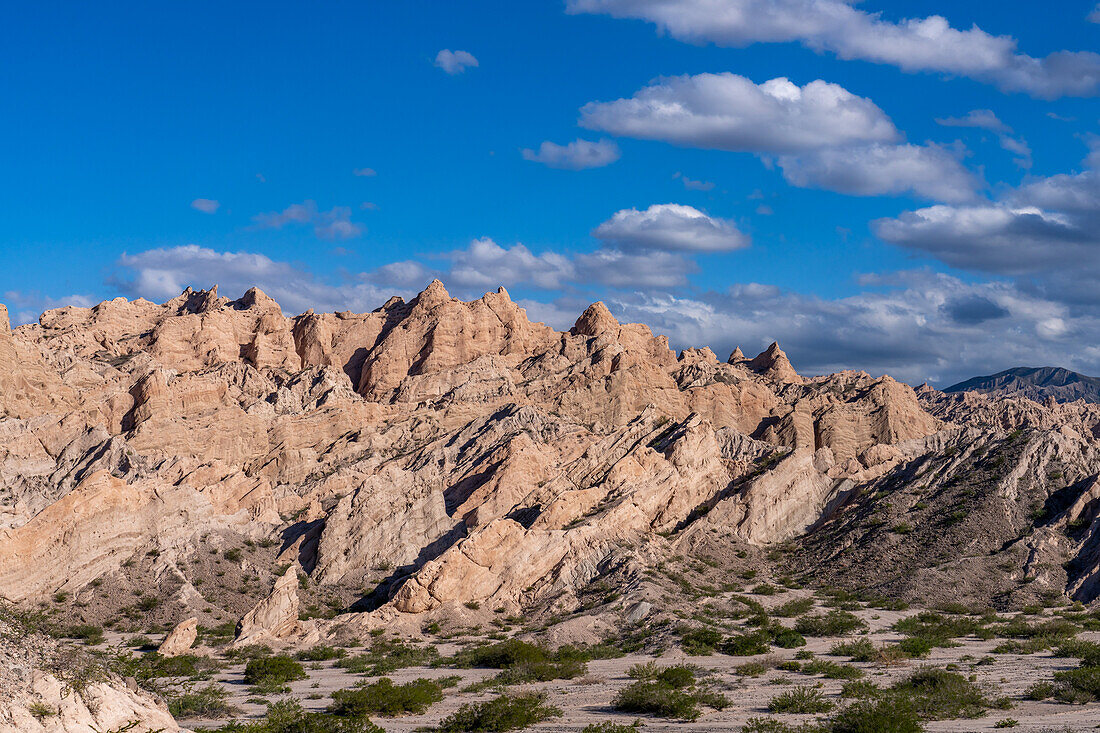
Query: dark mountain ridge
[(1036, 383)]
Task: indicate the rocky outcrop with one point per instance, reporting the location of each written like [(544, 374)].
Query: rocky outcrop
[(180, 639), (436, 453), (36, 673)]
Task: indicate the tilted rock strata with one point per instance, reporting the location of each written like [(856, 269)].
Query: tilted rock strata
[(470, 454)]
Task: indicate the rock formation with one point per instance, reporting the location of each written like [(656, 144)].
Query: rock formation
[(434, 455)]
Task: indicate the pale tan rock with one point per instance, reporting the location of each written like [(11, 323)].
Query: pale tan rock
[(276, 616), (180, 639)]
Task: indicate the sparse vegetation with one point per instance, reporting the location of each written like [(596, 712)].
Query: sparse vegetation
[(503, 713)]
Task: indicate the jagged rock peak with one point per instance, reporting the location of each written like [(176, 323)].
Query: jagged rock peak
[(5, 323), (736, 357), (433, 295), (595, 320), (255, 298), (773, 362)]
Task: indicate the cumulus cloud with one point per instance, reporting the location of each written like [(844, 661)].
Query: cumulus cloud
[(365, 172), (985, 119), (206, 206), (926, 171), (729, 112), (912, 44), (574, 156), (485, 264), (644, 269), (825, 136), (923, 327), (1046, 233), (454, 62), (671, 227), (333, 224)]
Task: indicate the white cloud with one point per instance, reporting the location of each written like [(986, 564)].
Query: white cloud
[(925, 171), (454, 62), (1047, 230), (206, 206), (335, 223), (985, 119), (485, 264), (729, 112), (671, 227), (912, 44), (826, 137), (922, 326), (365, 172), (645, 269), (575, 156)]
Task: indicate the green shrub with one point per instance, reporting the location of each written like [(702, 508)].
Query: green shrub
[(88, 634), (745, 645), (507, 712), (386, 698), (206, 702), (938, 694), (916, 646), (700, 642), (834, 623), (320, 653), (1081, 685), (800, 700), (521, 661), (876, 716), (784, 638), (937, 628), (831, 670), (608, 727), (385, 657), (667, 692), (858, 651), (268, 671), (1087, 651)]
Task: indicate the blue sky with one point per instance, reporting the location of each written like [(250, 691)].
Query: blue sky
[(915, 196)]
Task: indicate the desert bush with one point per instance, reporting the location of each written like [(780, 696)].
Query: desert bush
[(937, 628), (667, 692), (207, 702), (800, 700), (831, 670), (745, 645), (320, 653), (700, 642), (506, 712), (87, 633), (386, 656), (608, 727), (836, 622), (938, 694), (385, 698), (858, 651), (272, 671), (875, 716)]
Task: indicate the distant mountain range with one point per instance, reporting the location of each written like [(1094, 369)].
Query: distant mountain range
[(1037, 383)]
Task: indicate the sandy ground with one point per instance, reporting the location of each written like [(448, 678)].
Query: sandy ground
[(587, 700)]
